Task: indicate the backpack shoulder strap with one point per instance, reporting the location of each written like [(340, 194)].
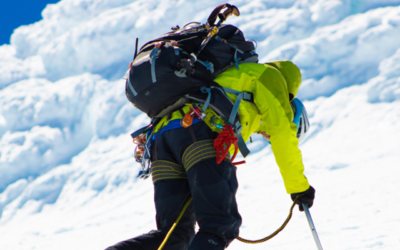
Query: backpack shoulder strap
[(241, 95)]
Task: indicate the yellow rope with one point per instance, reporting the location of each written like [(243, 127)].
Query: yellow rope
[(176, 223), (238, 238), (274, 233)]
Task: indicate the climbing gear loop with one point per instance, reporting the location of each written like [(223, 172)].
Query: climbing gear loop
[(142, 139)]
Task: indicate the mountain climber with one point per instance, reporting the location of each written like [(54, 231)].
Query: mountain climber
[(184, 157)]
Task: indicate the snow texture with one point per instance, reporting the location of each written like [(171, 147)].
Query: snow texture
[(67, 175)]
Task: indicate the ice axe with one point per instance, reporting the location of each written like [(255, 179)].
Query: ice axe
[(312, 227), (230, 9), (213, 28)]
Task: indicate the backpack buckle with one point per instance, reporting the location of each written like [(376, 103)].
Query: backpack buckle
[(186, 68)]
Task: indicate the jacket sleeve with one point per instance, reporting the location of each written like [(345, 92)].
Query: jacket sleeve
[(271, 98)]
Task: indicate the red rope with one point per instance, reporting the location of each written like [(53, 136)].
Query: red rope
[(224, 141), (239, 163)]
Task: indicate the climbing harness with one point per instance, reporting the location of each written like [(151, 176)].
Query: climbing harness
[(238, 238)]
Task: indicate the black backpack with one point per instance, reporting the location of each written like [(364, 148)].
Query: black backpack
[(180, 66)]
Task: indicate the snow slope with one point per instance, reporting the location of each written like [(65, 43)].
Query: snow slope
[(67, 176)]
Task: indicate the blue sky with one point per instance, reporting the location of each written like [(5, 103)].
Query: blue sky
[(14, 13)]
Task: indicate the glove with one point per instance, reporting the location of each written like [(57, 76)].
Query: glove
[(306, 197)]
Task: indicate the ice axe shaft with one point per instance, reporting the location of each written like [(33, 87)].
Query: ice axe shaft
[(312, 227)]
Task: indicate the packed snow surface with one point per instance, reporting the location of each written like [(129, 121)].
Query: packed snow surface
[(67, 175)]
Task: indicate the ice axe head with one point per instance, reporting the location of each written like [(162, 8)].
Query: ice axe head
[(230, 9)]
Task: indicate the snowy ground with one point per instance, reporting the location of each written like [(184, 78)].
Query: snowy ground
[(67, 176)]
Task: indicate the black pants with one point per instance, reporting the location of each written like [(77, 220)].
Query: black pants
[(213, 187)]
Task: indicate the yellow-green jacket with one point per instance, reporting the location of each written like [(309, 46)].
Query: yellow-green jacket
[(271, 112)]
